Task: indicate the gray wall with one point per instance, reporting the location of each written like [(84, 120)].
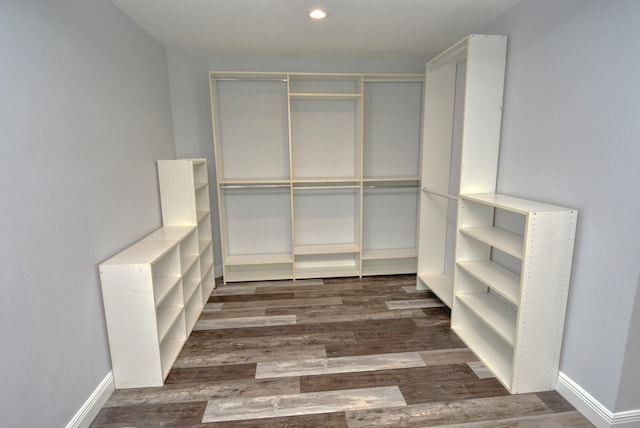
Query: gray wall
[(570, 136), (84, 113), (191, 106), (629, 391)]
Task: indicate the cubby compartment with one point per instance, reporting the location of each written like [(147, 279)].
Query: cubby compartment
[(203, 205), (333, 264), (191, 282), (254, 270), (257, 232), (189, 250), (206, 259), (200, 174), (192, 290), (171, 344), (326, 126), (208, 284), (204, 233), (492, 275), (168, 310), (327, 233), (389, 222), (493, 351), (498, 313), (165, 274)]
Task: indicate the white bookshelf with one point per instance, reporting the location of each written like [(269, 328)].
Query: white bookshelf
[(184, 198), (462, 117), (511, 285), (326, 151), (143, 300), (155, 290)]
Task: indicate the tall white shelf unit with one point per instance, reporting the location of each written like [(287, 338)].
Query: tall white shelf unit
[(155, 290), (511, 286), (502, 264), (318, 174), (184, 197), (449, 167)]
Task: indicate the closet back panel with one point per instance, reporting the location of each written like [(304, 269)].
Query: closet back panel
[(392, 122), (258, 222), (324, 138), (389, 218), (254, 130), (326, 217)]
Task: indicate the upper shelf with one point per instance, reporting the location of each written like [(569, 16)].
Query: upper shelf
[(510, 203), (508, 242), (459, 52), (325, 86)]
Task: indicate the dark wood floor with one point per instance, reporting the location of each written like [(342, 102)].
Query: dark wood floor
[(330, 353)]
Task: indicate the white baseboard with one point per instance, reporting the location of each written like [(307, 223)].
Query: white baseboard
[(94, 403), (592, 409)]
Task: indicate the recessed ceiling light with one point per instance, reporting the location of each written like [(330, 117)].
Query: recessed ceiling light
[(317, 14)]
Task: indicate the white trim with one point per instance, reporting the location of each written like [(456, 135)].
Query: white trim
[(89, 410), (592, 409)]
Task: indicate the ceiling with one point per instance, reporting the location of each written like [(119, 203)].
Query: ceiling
[(361, 29)]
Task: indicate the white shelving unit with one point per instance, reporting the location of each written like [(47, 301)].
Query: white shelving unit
[(155, 290), (318, 173), (462, 117), (184, 196), (511, 285)]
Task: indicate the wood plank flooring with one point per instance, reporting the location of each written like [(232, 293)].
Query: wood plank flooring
[(333, 353)]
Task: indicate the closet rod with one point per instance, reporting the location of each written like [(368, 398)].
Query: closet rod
[(252, 79), (431, 192), (254, 186), (396, 186), (325, 187)]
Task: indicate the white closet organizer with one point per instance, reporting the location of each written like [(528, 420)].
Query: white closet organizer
[(184, 197), (318, 174), (462, 117), (155, 290), (511, 285)]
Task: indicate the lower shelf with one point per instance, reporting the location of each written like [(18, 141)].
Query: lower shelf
[(319, 262), (167, 318), (168, 353), (494, 352), (497, 315), (208, 283), (327, 272), (440, 284), (393, 266), (192, 309), (327, 265), (258, 272)]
